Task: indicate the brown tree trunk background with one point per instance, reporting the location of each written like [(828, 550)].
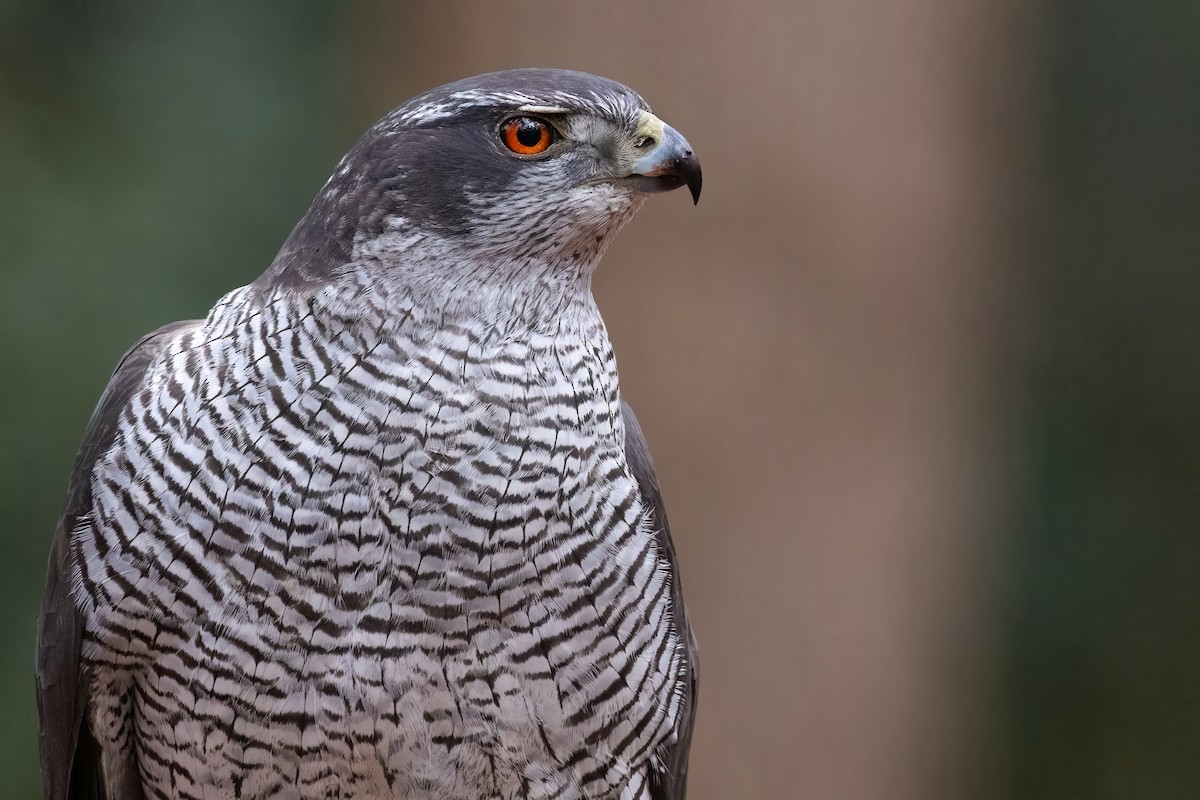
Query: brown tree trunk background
[(815, 353)]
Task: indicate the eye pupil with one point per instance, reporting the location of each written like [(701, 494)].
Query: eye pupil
[(530, 132)]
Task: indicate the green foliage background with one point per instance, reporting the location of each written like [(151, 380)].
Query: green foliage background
[(1103, 679)]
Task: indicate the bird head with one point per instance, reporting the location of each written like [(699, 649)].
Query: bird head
[(523, 170)]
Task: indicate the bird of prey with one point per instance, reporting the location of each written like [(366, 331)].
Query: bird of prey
[(380, 525)]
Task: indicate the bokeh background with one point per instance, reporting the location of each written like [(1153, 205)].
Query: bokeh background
[(921, 372)]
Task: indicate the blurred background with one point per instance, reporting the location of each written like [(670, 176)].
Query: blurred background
[(921, 372)]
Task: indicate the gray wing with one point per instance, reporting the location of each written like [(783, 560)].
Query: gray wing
[(70, 756), (668, 777)]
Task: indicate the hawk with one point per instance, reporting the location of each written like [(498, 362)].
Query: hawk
[(381, 525)]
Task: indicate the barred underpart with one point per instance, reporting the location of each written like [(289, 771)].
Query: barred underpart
[(333, 541)]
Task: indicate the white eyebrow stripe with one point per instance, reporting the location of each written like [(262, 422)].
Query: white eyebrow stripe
[(532, 109)]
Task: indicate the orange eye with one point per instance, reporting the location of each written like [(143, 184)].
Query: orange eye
[(527, 136)]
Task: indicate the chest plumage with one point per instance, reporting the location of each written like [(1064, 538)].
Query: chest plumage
[(376, 556)]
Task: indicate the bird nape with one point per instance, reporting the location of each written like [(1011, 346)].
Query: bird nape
[(380, 524)]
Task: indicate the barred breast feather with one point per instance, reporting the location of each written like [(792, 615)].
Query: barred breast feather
[(335, 554)]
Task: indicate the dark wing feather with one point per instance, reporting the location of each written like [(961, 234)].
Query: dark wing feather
[(669, 782), (70, 757)]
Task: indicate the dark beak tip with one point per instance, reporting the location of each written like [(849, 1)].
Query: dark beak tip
[(686, 168), (693, 177)]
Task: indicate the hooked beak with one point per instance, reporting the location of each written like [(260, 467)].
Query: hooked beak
[(668, 165)]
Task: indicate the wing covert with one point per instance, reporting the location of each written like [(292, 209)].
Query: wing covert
[(668, 778), (70, 757)]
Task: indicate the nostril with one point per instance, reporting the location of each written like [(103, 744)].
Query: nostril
[(646, 141)]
